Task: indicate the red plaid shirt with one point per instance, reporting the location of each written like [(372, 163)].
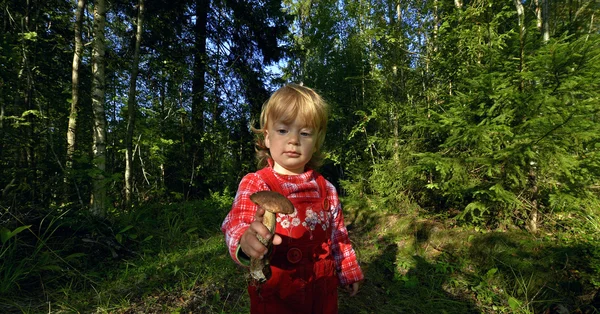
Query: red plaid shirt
[(297, 186)]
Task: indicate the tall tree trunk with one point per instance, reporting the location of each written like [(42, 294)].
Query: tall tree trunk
[(545, 21), (71, 130), (132, 107), (538, 14), (532, 223), (198, 91), (98, 199), (397, 98), (521, 17), (533, 214), (25, 77), (436, 21)]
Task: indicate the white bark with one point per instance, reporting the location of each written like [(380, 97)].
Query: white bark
[(545, 21), (538, 14), (71, 135), (98, 199), (132, 107), (521, 17)]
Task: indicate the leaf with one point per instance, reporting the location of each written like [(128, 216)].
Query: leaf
[(432, 186), (51, 267), (6, 234), (30, 36), (126, 228), (514, 303), (75, 256), (491, 272)]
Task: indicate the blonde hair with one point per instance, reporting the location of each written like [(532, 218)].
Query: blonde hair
[(285, 104)]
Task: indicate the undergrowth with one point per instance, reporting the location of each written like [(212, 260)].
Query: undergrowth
[(171, 258)]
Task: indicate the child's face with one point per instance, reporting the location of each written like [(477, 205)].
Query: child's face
[(291, 145)]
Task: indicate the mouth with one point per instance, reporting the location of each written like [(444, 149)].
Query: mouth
[(291, 153)]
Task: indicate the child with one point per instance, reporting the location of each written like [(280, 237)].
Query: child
[(312, 253)]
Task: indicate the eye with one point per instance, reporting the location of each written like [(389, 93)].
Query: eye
[(306, 133), (281, 131)]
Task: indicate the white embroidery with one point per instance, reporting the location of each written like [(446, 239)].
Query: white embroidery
[(310, 222), (296, 222)]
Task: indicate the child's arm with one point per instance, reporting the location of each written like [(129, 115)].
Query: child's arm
[(244, 221), (349, 271)]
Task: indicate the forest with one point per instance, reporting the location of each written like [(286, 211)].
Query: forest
[(463, 140)]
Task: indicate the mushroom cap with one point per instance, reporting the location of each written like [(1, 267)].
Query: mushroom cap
[(273, 202)]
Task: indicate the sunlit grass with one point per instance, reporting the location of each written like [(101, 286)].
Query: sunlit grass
[(420, 264), (174, 260)]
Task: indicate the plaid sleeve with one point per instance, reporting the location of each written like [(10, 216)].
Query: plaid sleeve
[(348, 269), (242, 212)]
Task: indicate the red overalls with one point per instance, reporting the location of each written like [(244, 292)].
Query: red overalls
[(303, 277)]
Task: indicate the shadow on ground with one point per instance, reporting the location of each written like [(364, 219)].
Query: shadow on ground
[(415, 265)]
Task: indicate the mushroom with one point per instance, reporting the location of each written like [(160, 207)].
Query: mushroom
[(273, 203)]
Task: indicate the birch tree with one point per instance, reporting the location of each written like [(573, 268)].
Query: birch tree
[(132, 106), (71, 130), (98, 197), (545, 20)]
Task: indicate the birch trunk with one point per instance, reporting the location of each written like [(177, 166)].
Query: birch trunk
[(132, 107), (71, 130), (98, 198), (538, 14), (545, 21), (521, 17)]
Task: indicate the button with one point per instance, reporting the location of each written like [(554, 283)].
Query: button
[(326, 205), (294, 255)]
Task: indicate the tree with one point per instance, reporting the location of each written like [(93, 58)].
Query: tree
[(132, 106), (75, 79), (198, 91), (98, 198)]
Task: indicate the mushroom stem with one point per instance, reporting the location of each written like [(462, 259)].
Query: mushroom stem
[(272, 203), (269, 222)]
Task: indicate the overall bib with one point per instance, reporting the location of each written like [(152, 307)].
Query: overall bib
[(304, 278)]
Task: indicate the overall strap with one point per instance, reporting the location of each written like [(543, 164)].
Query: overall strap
[(323, 191), (267, 175), (322, 185)]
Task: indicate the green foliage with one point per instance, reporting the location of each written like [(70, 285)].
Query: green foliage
[(490, 140), (25, 254), (6, 234), (85, 263), (435, 108)]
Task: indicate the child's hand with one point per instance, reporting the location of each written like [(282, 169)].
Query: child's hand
[(352, 289), (249, 242)]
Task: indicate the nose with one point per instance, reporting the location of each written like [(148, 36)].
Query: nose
[(293, 139)]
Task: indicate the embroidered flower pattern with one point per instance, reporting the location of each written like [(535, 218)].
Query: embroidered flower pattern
[(312, 219)]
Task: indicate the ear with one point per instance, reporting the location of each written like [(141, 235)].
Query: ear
[(267, 140)]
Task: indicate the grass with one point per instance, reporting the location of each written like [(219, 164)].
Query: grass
[(173, 259)]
